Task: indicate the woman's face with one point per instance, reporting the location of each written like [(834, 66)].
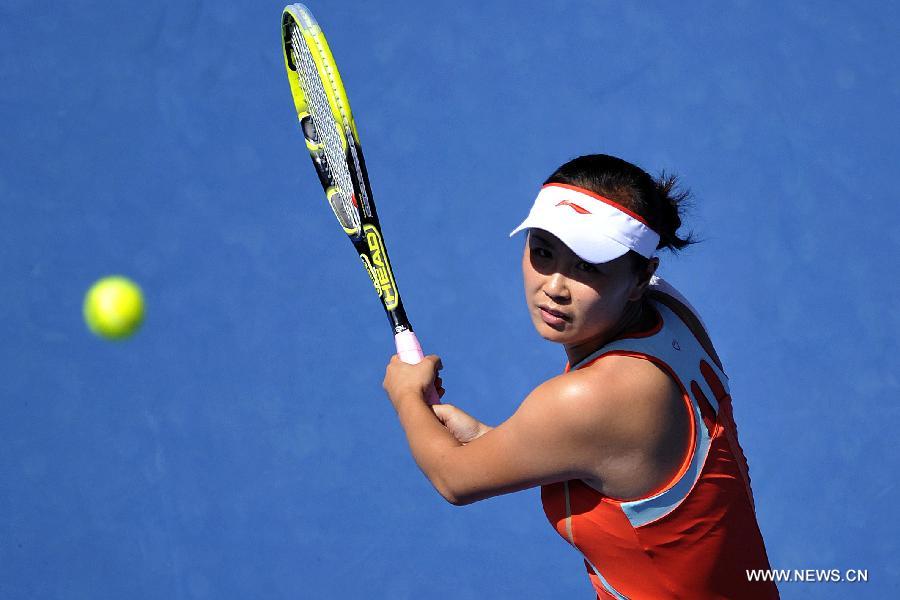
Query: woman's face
[(573, 302)]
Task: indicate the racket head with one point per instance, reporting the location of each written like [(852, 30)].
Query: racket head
[(333, 143), (323, 110), (332, 140)]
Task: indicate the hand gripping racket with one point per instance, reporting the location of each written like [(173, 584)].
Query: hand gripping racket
[(333, 144)]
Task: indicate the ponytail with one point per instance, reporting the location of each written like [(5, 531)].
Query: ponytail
[(661, 202)]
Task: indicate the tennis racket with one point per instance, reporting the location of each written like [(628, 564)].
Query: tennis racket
[(333, 144)]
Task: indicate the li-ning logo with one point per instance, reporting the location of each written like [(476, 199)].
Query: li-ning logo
[(580, 210), (676, 345), (378, 268)]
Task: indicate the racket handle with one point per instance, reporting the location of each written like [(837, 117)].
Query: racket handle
[(410, 352)]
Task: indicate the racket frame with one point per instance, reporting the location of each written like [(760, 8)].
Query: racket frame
[(363, 227)]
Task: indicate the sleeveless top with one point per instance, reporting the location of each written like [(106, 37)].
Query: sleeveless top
[(695, 537)]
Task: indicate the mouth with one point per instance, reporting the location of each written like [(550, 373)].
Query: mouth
[(553, 317)]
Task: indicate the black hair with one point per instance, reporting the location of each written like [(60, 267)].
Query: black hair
[(660, 201)]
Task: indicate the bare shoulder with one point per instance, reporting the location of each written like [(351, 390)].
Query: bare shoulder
[(633, 387), (638, 415), (612, 423), (613, 407), (613, 385)]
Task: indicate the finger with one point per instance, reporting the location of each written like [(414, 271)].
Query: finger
[(442, 412), (440, 392)]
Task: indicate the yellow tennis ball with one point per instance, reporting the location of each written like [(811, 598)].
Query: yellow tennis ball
[(114, 307)]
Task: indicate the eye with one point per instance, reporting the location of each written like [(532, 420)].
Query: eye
[(587, 267), (540, 252)]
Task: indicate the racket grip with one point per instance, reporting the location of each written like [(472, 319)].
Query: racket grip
[(410, 351)]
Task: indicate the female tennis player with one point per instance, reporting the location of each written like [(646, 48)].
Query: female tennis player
[(634, 445)]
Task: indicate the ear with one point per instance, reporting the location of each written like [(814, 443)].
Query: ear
[(644, 280)]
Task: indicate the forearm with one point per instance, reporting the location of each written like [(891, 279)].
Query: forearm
[(430, 443)]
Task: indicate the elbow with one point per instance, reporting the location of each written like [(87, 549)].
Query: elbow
[(452, 496), (452, 500), (460, 500), (457, 500), (451, 482)]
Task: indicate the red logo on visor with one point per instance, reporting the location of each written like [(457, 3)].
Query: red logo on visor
[(580, 210)]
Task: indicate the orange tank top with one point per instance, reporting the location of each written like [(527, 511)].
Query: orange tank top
[(697, 536)]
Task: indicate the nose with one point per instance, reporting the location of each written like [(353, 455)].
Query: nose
[(556, 287)]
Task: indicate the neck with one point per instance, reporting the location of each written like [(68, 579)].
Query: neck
[(632, 320)]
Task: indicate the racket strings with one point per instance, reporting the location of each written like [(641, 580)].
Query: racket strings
[(326, 130)]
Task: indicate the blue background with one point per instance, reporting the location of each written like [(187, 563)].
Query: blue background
[(240, 446)]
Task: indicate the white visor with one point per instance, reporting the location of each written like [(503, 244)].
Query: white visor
[(593, 227)]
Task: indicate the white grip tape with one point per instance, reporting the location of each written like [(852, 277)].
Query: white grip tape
[(409, 351), (408, 347)]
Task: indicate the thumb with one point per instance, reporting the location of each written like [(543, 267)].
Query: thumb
[(435, 361), (443, 412)]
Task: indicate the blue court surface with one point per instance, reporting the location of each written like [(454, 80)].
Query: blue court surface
[(241, 446)]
